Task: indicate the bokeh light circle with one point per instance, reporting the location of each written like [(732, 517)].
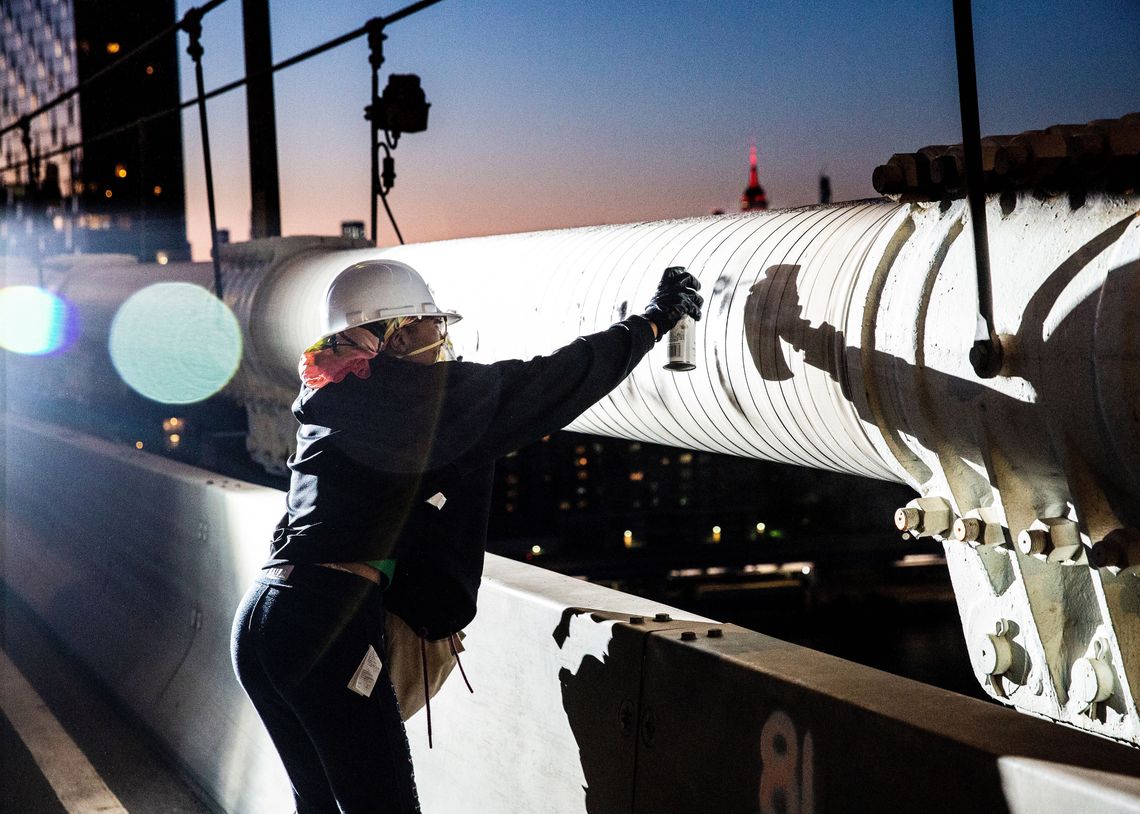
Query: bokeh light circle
[(175, 343), (34, 321)]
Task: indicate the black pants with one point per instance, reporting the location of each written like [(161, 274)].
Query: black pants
[(297, 644)]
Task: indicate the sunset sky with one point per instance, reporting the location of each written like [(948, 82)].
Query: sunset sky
[(558, 114)]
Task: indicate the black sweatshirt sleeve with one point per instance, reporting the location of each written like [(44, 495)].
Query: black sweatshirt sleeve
[(408, 418), (540, 396)]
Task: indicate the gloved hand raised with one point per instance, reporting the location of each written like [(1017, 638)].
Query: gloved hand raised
[(675, 299)]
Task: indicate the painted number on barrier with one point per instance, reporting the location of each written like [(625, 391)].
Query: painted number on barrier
[(786, 782)]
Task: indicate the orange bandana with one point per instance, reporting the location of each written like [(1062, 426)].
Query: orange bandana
[(331, 359)]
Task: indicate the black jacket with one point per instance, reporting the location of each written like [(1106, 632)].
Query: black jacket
[(401, 464)]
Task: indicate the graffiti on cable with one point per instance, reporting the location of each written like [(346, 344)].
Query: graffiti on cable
[(785, 767)]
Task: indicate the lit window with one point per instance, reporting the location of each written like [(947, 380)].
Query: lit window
[(157, 191), (637, 475), (113, 48)]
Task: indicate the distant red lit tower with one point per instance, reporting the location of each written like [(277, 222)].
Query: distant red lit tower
[(754, 196)]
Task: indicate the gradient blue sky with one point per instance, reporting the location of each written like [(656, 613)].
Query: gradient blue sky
[(552, 114)]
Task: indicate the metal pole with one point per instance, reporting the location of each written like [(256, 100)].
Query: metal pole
[(986, 354), (192, 25), (265, 194), (376, 39)]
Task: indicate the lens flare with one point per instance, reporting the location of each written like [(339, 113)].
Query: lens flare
[(35, 322), (175, 343)]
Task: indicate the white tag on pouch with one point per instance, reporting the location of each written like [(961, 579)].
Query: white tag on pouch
[(364, 679), (437, 500), (280, 572)]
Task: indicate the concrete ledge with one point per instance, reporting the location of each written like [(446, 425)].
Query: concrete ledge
[(137, 564)]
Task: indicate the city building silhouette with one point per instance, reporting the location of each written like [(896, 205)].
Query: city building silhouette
[(122, 191), (753, 196)]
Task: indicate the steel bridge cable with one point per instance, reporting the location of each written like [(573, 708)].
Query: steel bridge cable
[(231, 86), (192, 25), (986, 354), (201, 98)]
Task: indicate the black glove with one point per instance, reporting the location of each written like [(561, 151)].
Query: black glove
[(675, 299)]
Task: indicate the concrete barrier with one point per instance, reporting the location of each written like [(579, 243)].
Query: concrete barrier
[(585, 699)]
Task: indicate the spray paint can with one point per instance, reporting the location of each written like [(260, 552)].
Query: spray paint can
[(683, 346)]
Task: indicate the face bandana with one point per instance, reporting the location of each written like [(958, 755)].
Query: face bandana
[(333, 358)]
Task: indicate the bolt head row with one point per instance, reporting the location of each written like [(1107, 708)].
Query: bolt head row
[(1034, 541), (908, 519), (968, 529)]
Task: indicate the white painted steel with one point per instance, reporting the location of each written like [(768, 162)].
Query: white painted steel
[(1040, 787), (838, 338), (834, 337)]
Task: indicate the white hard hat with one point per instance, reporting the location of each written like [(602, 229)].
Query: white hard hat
[(375, 290)]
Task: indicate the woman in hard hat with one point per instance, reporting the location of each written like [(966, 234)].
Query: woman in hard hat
[(387, 508)]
